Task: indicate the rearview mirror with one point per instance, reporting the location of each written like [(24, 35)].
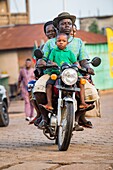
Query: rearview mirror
[(96, 61), (38, 53)]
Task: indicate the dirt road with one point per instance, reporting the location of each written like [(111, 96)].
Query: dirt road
[(23, 147)]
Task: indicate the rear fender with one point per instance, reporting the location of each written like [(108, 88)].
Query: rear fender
[(69, 99)]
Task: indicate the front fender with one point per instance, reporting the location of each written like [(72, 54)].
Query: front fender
[(68, 99), (74, 101)]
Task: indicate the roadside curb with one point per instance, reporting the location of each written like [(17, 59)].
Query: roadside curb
[(106, 91)]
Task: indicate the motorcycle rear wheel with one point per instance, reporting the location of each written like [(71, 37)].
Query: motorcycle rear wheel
[(66, 128)]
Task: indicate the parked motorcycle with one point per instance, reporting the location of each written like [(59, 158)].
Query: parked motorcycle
[(61, 121)]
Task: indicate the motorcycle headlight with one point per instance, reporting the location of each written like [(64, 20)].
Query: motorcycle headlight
[(69, 76)]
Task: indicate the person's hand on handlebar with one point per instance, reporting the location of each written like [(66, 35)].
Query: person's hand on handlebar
[(51, 63), (41, 63), (90, 71)]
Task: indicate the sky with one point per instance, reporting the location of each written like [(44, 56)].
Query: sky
[(44, 10)]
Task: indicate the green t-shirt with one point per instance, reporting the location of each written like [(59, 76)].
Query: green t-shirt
[(62, 56)]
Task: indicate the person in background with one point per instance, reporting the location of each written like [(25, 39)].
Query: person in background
[(26, 74)]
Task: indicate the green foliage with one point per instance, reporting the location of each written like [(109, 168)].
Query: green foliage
[(94, 28)]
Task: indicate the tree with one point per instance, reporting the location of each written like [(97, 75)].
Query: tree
[(94, 27)]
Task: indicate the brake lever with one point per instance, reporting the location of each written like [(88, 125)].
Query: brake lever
[(50, 66), (83, 70)]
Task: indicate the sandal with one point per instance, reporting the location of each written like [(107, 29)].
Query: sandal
[(87, 124), (86, 107), (46, 107), (92, 106), (33, 120)]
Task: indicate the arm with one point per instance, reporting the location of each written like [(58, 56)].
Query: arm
[(19, 79), (83, 58), (51, 57), (77, 63), (86, 65), (49, 45), (74, 59), (19, 82)]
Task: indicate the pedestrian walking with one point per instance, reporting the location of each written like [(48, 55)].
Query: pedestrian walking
[(26, 74)]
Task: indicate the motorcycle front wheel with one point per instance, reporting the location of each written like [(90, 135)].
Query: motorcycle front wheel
[(66, 128), (4, 116)]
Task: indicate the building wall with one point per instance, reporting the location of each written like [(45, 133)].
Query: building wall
[(7, 18), (9, 64), (12, 61), (102, 78), (102, 22)]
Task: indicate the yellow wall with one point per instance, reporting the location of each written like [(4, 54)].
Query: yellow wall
[(9, 64)]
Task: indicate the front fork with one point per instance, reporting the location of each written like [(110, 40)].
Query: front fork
[(60, 105)]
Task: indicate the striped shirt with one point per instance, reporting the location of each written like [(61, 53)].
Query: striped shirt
[(75, 45)]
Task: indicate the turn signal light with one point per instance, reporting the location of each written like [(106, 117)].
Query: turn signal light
[(82, 81), (53, 76)]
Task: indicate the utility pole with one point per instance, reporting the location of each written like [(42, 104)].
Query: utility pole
[(27, 11), (64, 5)]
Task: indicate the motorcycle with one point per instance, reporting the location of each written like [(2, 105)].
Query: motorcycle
[(61, 121)]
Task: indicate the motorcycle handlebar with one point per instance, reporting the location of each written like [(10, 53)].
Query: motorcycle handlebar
[(47, 66), (86, 71)]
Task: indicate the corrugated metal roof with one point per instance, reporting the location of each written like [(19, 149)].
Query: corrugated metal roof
[(23, 36), (91, 38)]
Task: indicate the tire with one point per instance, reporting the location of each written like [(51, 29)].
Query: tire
[(56, 141), (4, 116), (65, 131)]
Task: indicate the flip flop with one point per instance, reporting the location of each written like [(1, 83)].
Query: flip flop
[(36, 119), (32, 121), (87, 108), (87, 124), (47, 108), (90, 107)]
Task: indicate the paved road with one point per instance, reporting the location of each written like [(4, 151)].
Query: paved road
[(23, 147)]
